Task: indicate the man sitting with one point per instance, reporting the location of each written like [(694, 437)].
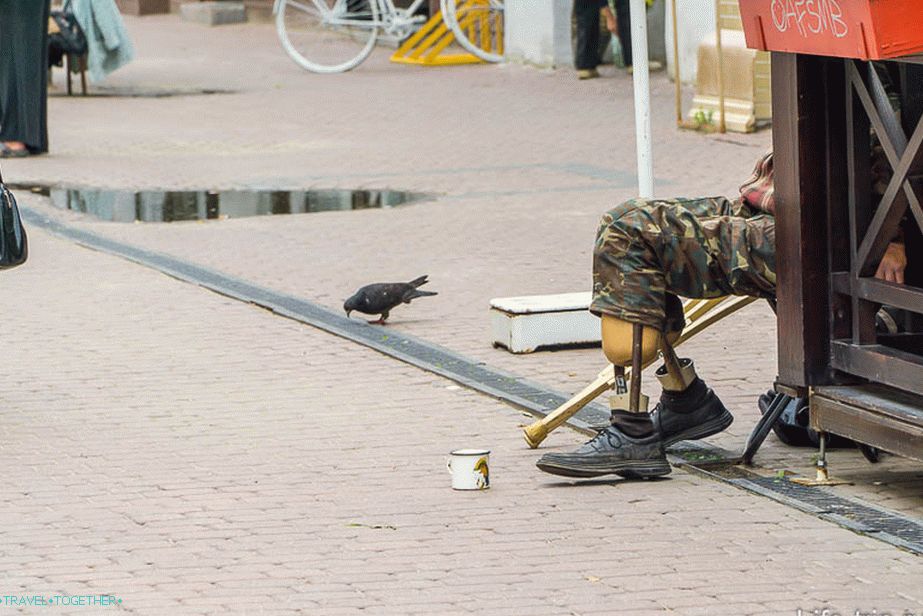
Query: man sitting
[(647, 253)]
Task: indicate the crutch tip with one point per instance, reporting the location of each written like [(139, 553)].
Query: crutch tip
[(534, 434)]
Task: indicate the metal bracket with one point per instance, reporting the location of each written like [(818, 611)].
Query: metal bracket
[(763, 426)]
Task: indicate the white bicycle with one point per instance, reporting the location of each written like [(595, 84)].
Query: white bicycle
[(477, 25), (333, 36)]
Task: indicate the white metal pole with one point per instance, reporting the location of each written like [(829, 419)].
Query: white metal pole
[(722, 122), (642, 98)]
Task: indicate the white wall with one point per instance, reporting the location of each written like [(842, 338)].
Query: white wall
[(538, 32), (696, 21)]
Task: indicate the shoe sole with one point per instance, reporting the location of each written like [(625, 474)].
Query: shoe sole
[(628, 469), (713, 426)]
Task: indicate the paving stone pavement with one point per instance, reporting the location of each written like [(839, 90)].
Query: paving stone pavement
[(522, 162), (518, 156), (191, 454)]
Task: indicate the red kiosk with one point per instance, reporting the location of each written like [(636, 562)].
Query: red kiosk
[(828, 98)]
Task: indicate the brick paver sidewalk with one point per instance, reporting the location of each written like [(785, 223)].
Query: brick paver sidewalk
[(192, 454)]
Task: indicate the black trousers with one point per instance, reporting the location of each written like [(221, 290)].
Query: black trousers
[(586, 47), (24, 72), (623, 15)]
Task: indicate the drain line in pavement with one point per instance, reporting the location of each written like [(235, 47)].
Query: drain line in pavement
[(878, 523)]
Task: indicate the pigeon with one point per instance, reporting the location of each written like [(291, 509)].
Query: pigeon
[(381, 297)]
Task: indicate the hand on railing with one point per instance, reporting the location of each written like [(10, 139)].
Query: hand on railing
[(892, 265)]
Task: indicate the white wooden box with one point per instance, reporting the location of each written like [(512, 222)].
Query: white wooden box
[(524, 324)]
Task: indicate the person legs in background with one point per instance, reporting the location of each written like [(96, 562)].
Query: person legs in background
[(618, 21), (586, 52), (23, 77)]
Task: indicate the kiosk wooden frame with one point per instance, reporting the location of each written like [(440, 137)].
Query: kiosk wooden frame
[(831, 236)]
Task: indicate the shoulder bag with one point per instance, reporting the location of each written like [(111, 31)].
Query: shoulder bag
[(14, 245)]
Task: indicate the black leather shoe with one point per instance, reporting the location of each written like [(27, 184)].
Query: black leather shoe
[(688, 417), (611, 452)]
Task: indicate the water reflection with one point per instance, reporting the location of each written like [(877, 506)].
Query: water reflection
[(171, 206)]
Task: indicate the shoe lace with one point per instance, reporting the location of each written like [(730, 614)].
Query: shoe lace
[(602, 434), (655, 416)]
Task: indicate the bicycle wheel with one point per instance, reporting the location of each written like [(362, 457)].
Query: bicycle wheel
[(477, 26), (327, 36)]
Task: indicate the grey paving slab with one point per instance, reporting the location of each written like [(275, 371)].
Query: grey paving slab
[(187, 451), (523, 161)]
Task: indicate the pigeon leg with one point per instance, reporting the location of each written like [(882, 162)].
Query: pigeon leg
[(381, 319)]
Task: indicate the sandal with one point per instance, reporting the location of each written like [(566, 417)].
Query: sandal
[(8, 152)]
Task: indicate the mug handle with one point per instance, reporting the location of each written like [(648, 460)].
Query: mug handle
[(448, 465)]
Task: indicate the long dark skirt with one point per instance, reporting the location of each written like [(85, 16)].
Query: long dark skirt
[(24, 72)]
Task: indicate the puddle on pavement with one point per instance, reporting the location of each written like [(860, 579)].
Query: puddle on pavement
[(130, 92), (174, 206)]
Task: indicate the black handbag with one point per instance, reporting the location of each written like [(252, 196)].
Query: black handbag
[(14, 245), (69, 40)]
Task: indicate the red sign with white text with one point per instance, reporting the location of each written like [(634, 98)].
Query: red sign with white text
[(866, 29)]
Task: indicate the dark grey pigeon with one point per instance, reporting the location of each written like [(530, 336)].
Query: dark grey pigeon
[(380, 298)]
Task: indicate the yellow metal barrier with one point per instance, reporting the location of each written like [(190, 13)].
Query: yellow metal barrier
[(427, 46)]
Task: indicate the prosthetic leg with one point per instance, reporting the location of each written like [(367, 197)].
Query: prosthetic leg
[(675, 375), (634, 444), (627, 404), (681, 387), (698, 314), (630, 413), (629, 447), (633, 401)]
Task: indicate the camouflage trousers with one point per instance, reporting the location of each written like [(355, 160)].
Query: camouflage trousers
[(694, 248)]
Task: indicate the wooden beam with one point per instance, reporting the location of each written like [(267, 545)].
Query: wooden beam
[(859, 211), (838, 250), (880, 364), (799, 142), (871, 414), (880, 292)]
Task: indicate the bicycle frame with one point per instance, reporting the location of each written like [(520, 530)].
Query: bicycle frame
[(388, 7), (386, 11)]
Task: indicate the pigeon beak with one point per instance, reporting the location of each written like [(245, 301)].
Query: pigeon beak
[(347, 313)]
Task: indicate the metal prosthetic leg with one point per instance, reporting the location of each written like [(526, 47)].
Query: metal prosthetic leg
[(688, 409), (675, 375), (629, 447), (622, 399)]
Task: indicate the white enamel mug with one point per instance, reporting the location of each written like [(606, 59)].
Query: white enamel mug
[(469, 468)]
